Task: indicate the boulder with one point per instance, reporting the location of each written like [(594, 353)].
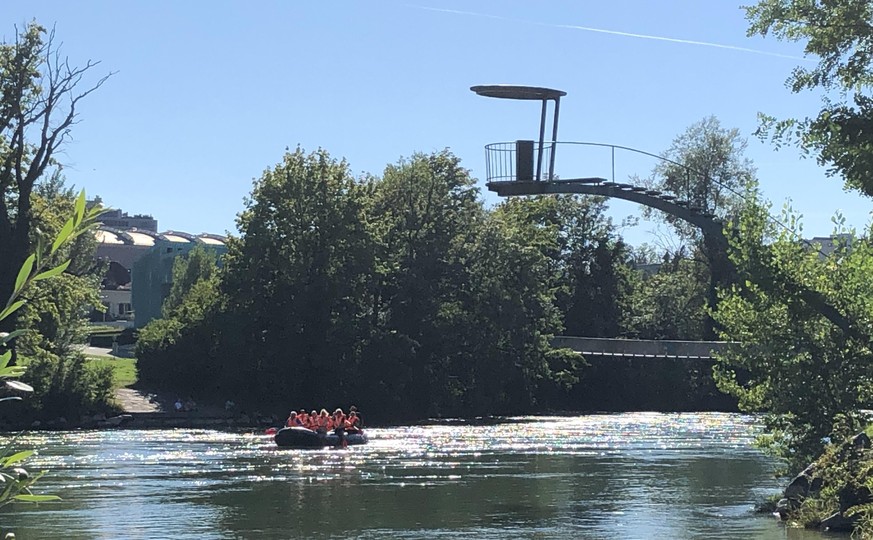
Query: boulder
[(807, 484), (838, 523), (802, 486), (852, 495)]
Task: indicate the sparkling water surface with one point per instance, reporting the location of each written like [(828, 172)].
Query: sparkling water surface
[(631, 475)]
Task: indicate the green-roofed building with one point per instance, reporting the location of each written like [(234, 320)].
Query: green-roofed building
[(152, 274)]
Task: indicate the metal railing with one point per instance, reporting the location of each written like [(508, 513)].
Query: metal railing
[(599, 162), (595, 159), (503, 160)]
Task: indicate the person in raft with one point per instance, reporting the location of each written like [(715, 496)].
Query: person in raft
[(353, 423), (355, 410), (293, 420), (340, 423), (323, 423)]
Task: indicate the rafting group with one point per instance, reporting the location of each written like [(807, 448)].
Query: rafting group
[(319, 429), (322, 422)]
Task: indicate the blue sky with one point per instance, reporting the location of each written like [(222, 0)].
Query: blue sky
[(207, 95)]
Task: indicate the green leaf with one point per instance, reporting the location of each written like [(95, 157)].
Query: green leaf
[(36, 498), (57, 270), (11, 309), (64, 235), (12, 372), (7, 337), (80, 206), (15, 458), (23, 274), (4, 359)]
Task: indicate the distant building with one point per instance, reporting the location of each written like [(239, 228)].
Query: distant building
[(123, 241), (117, 219), (648, 269), (120, 249), (828, 244), (152, 275)]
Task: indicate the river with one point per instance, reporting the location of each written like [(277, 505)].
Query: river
[(628, 476)]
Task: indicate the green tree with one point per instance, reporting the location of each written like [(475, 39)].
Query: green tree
[(587, 259), (465, 299), (188, 349), (837, 33), (513, 313), (705, 167), (199, 264), (790, 362), (298, 275), (425, 216), (39, 93), (55, 316), (401, 294), (670, 303)]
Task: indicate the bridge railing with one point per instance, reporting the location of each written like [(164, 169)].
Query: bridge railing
[(642, 348), (525, 161)]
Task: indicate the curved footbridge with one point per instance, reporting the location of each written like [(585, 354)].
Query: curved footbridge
[(605, 188), (527, 167), (641, 348), (712, 228)]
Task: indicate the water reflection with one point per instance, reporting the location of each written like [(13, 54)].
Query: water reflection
[(598, 476)]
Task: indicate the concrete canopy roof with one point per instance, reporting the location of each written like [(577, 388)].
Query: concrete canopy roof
[(511, 91)]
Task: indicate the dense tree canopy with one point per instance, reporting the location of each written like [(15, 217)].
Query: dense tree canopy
[(790, 362), (705, 167), (399, 293)]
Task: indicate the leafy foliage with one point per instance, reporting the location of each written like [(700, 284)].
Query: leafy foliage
[(839, 34), (705, 166), (55, 317), (789, 361), (587, 262), (199, 264), (671, 303), (39, 93), (17, 481), (401, 294)]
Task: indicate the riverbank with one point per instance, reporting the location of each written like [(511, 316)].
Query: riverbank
[(142, 409)]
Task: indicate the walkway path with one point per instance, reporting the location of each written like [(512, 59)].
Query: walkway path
[(137, 401)]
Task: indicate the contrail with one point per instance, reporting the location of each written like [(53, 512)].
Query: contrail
[(617, 33)]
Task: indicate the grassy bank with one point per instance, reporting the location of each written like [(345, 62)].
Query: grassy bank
[(123, 369)]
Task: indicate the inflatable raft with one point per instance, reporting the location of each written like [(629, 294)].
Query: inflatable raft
[(298, 437)]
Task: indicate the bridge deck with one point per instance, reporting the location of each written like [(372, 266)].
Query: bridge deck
[(641, 348)]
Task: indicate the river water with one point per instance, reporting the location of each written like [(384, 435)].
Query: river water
[(632, 475)]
